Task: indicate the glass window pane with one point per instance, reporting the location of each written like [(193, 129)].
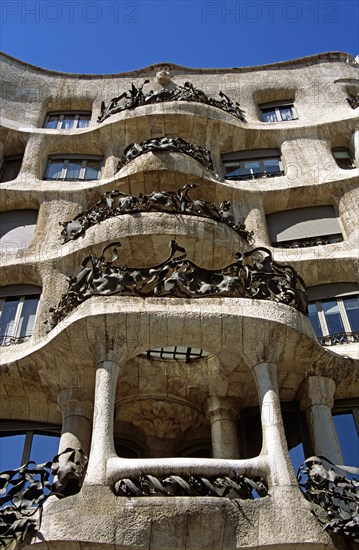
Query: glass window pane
[(73, 170), (352, 308), (297, 456), (332, 316), (314, 319), (251, 166), (233, 169), (269, 115), (54, 169), (44, 447), (7, 319), (92, 170), (83, 121), (10, 169), (52, 121), (11, 447), (271, 165), (341, 154), (28, 315), (286, 113), (348, 437), (68, 122)]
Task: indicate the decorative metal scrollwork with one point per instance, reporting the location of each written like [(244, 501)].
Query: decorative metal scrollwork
[(116, 203), (192, 486), (167, 144), (24, 491), (353, 101), (254, 274), (335, 493), (135, 98), (339, 338)]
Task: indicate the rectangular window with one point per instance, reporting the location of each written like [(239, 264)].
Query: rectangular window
[(278, 112), (73, 169), (302, 227), (67, 120), (335, 320), (259, 163), (17, 318), (343, 158), (10, 168)]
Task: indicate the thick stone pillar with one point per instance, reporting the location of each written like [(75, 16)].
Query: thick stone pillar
[(223, 418), (102, 445), (77, 408), (316, 399), (274, 440)]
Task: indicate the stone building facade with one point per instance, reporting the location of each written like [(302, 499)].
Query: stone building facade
[(157, 227)]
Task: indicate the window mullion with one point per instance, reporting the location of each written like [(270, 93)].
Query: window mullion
[(322, 319), (343, 315), (27, 448), (83, 170), (18, 316)]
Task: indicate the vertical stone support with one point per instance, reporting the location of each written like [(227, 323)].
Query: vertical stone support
[(274, 440), (76, 407), (223, 418), (316, 399), (102, 444)]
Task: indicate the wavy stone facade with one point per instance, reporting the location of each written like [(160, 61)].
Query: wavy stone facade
[(104, 370)]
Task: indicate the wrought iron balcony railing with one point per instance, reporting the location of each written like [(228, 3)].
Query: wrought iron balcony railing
[(254, 176), (10, 340), (339, 338), (311, 241)]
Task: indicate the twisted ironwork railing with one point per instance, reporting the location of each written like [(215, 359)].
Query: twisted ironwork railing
[(115, 203), (253, 274)]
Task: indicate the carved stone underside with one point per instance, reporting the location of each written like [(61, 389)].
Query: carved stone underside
[(254, 275), (159, 417), (167, 144), (135, 98), (115, 203)]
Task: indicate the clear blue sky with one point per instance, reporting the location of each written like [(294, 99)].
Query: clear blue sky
[(111, 36)]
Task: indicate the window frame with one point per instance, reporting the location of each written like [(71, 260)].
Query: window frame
[(9, 339), (7, 159), (259, 155), (62, 115), (349, 157), (66, 159), (276, 106), (10, 428), (348, 335)]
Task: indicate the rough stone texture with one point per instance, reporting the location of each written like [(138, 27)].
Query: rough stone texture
[(260, 353)]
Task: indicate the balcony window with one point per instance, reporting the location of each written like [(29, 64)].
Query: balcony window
[(278, 112), (335, 318), (343, 158), (67, 120), (16, 229), (303, 227), (257, 163), (24, 441), (73, 168), (18, 308), (10, 168), (346, 422)]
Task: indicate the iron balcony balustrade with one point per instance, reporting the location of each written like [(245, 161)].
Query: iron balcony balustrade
[(312, 241), (255, 175), (339, 338)]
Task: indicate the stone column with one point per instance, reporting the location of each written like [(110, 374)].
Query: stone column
[(274, 440), (223, 418), (102, 445), (316, 399), (76, 406)]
